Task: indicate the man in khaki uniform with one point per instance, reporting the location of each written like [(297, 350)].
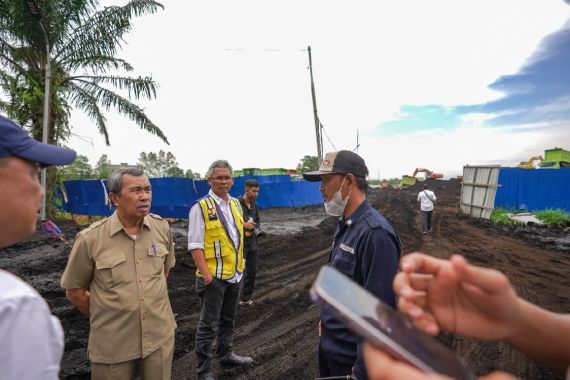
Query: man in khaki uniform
[(116, 275)]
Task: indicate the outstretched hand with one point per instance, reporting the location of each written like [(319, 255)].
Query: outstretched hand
[(456, 296), (380, 365)]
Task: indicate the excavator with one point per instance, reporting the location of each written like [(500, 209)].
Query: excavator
[(530, 163), (428, 173)]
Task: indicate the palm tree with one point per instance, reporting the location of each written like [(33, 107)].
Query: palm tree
[(80, 41), (84, 41)]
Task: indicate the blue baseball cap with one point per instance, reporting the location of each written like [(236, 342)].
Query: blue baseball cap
[(14, 141)]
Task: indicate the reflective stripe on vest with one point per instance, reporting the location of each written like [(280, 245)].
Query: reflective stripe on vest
[(222, 257)]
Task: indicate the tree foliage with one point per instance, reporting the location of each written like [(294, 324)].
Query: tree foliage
[(86, 73), (308, 164), (85, 70), (80, 169), (161, 164), (190, 174), (103, 167)]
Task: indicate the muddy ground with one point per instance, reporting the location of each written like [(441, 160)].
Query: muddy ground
[(279, 330)]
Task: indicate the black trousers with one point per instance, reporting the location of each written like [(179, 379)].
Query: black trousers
[(249, 274), (218, 305), (332, 366)]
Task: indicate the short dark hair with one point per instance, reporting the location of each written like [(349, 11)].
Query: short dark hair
[(251, 183), (361, 183), (425, 185)]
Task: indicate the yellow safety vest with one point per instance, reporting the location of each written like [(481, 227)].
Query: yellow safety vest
[(224, 260)]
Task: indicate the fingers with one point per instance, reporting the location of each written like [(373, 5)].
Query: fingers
[(421, 263), (419, 317), (498, 375), (488, 280), (380, 366)]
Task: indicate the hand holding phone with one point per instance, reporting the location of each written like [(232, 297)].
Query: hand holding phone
[(378, 324)]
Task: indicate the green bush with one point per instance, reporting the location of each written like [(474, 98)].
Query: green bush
[(554, 217), (499, 215)]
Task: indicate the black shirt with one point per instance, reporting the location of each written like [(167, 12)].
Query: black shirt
[(249, 215)]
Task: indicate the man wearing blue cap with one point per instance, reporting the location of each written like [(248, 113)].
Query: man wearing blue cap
[(26, 324)]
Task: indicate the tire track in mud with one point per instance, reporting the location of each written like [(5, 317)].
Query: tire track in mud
[(279, 330)]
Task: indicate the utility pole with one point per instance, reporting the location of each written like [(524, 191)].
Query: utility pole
[(36, 14), (357, 142), (317, 122)]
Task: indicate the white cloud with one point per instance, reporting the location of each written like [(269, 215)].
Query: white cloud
[(448, 151), (253, 106)]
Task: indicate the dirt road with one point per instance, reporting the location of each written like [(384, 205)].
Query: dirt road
[(279, 330)]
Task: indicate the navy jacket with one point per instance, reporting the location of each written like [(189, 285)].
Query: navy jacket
[(366, 249)]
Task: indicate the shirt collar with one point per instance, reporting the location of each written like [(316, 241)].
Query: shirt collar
[(353, 218), (117, 226), (218, 199)]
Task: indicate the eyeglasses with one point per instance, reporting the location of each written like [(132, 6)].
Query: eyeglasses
[(221, 178)]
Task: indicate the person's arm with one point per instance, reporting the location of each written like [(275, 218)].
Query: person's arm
[(480, 303), (77, 275), (196, 234), (171, 257), (379, 264), (81, 299), (32, 339), (543, 336), (200, 260), (245, 212)]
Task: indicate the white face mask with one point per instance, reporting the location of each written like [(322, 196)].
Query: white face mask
[(336, 205)]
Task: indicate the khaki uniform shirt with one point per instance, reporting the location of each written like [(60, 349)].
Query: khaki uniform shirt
[(131, 315)]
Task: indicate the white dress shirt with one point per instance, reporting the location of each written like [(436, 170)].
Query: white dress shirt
[(426, 199), (196, 227), (32, 338)]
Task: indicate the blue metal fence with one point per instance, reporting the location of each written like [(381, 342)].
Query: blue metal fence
[(173, 197), (532, 190)]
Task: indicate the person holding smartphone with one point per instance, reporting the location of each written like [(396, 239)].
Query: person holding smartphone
[(365, 248), (476, 302)]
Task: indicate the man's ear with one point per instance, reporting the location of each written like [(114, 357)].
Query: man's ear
[(114, 198)]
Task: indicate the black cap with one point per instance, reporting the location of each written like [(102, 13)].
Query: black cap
[(14, 141), (340, 162)]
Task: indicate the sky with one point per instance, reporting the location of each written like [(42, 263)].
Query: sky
[(433, 84)]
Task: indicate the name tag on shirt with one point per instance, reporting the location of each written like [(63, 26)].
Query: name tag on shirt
[(346, 248)]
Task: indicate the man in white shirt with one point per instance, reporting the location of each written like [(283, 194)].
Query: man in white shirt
[(32, 338), (426, 198), (215, 240)]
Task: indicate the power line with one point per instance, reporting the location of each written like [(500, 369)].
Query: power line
[(326, 134), (86, 139)]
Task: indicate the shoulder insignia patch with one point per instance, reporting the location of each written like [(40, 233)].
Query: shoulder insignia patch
[(155, 216), (94, 225)]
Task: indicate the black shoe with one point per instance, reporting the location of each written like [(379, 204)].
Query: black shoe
[(205, 376), (233, 360)]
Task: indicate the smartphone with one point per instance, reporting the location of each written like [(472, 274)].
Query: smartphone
[(381, 326)]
